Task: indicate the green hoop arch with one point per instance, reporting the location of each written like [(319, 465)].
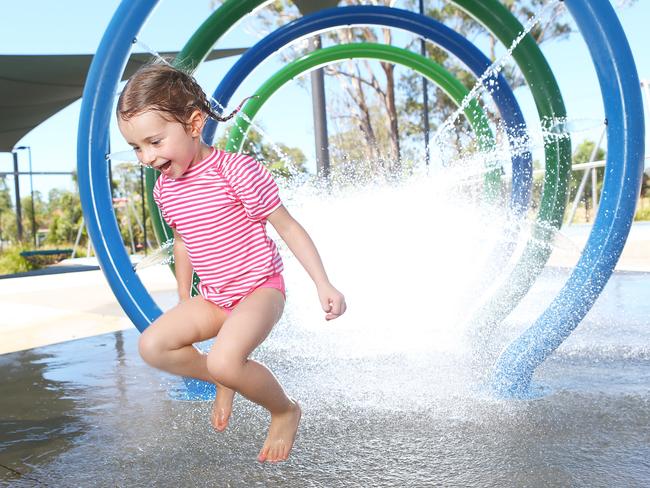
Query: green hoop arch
[(432, 70), (550, 107)]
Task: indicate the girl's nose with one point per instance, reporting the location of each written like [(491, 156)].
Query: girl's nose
[(148, 157)]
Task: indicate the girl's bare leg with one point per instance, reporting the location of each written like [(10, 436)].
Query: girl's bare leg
[(246, 327), (222, 407), (167, 344)]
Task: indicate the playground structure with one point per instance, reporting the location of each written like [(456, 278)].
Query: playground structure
[(625, 130)]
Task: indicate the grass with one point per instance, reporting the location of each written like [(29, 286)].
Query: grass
[(12, 262), (642, 212)]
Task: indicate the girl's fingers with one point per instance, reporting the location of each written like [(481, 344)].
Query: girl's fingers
[(337, 308), (333, 305), (342, 306), (324, 302)]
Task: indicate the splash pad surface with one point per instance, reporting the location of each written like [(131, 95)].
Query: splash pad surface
[(393, 393), (89, 412)]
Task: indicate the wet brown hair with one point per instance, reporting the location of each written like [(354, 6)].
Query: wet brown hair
[(163, 88)]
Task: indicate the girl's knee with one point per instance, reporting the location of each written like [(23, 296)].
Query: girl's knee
[(224, 367), (151, 348)]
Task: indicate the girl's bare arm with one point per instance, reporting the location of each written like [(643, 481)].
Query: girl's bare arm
[(301, 245), (183, 268)]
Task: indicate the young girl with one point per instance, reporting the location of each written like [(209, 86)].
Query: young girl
[(217, 203)]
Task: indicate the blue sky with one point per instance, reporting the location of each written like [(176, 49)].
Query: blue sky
[(75, 26)]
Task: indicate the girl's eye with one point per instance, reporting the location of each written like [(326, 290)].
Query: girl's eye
[(155, 143)]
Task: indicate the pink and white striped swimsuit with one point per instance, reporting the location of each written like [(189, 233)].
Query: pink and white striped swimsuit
[(219, 207)]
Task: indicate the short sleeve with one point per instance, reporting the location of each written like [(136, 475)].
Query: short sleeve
[(253, 185), (157, 197)]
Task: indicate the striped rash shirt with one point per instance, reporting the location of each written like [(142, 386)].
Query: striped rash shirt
[(219, 207)]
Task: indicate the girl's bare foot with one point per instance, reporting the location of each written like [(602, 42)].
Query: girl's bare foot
[(282, 433), (222, 408)]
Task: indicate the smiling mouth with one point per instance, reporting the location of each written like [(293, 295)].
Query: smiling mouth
[(164, 167)]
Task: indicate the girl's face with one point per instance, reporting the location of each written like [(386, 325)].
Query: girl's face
[(165, 145)]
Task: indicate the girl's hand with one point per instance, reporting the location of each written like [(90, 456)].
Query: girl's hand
[(332, 301)]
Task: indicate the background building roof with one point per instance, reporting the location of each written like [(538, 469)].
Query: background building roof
[(35, 87)]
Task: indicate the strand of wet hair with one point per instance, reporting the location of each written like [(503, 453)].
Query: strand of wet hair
[(211, 112), (217, 116), (292, 167)]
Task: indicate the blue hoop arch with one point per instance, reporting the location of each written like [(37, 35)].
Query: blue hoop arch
[(621, 90), (92, 145)]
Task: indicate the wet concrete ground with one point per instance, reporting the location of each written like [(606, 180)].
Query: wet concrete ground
[(395, 413)]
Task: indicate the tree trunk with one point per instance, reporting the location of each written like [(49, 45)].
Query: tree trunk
[(391, 109), (365, 120)]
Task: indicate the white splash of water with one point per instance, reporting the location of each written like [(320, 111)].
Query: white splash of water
[(151, 51), (403, 255)]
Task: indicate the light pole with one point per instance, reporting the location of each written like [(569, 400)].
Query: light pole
[(31, 190), (19, 213), (320, 115), (319, 103)]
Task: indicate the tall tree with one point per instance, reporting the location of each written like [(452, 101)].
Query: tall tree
[(33, 215), (369, 97), (7, 215), (582, 155), (554, 25), (282, 160), (64, 216), (364, 86)]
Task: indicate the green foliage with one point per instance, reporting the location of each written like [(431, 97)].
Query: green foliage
[(59, 216), (642, 214), (282, 160), (12, 262), (32, 214), (583, 155), (7, 215), (643, 209), (584, 150), (128, 203), (64, 216), (5, 197), (645, 186), (441, 107)]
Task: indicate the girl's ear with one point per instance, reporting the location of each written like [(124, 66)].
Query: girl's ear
[(195, 123)]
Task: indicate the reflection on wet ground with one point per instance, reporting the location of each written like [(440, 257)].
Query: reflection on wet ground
[(90, 413), (38, 414)]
